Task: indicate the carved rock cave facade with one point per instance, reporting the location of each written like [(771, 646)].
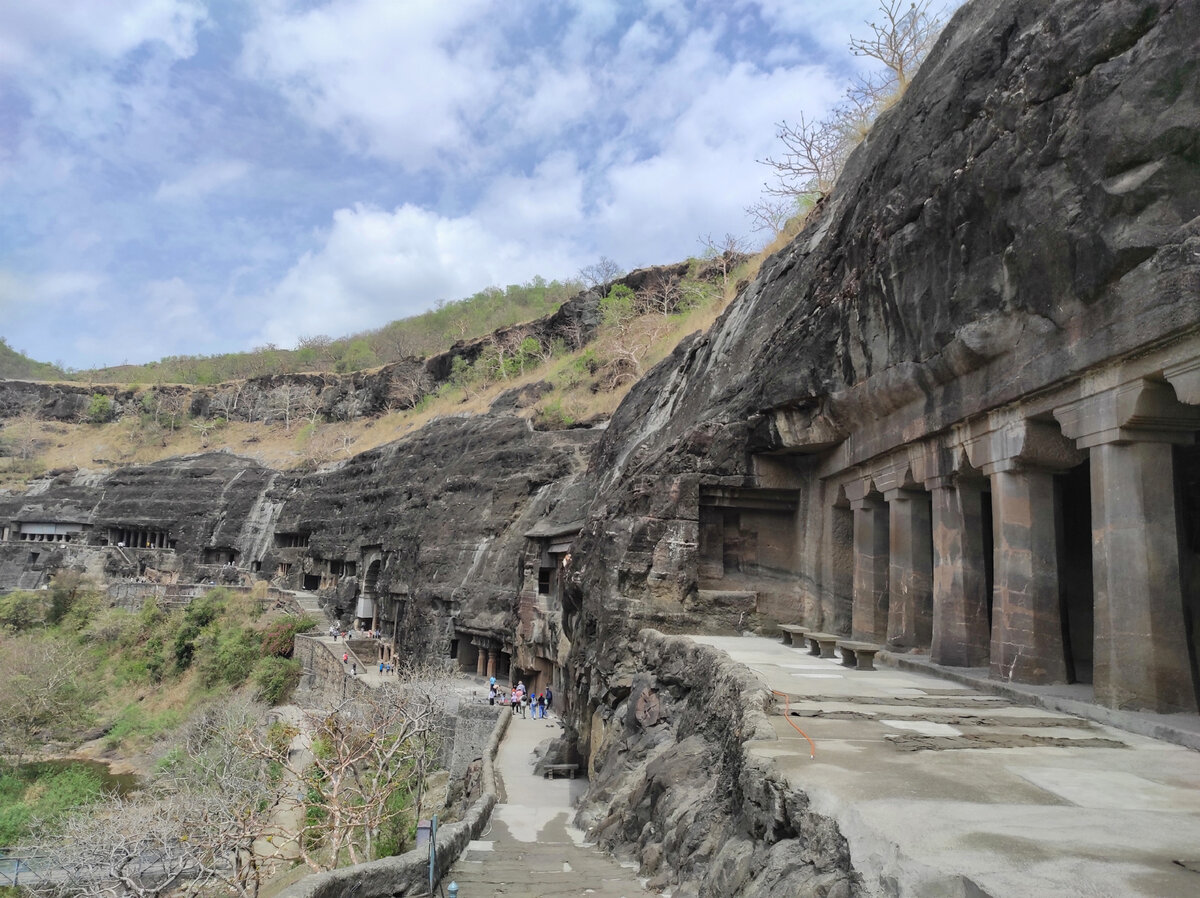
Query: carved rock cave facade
[(955, 417)]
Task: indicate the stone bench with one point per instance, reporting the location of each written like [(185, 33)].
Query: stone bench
[(821, 644), (860, 655), (791, 631), (552, 770)]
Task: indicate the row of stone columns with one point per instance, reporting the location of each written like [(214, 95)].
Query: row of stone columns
[(919, 551)]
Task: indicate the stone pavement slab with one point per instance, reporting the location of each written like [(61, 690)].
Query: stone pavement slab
[(945, 792)]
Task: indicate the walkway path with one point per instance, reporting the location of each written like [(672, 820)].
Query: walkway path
[(956, 792), (530, 849)]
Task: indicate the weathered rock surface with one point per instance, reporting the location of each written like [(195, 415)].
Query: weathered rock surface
[(671, 778), (442, 512), (1028, 214), (1027, 210), (193, 506)]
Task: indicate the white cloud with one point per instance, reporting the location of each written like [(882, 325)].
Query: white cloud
[(104, 29), (705, 173), (376, 266), (202, 180), (396, 80)]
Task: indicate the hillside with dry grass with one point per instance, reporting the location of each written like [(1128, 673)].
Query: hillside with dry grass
[(554, 382)]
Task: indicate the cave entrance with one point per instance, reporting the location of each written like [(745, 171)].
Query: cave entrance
[(1077, 598), (368, 606), (748, 544), (1187, 466)]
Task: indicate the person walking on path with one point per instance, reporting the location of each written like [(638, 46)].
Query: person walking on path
[(549, 698)]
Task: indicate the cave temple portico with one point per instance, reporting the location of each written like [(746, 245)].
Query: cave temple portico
[(1052, 539)]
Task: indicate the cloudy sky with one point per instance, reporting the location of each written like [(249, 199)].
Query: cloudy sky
[(202, 176)]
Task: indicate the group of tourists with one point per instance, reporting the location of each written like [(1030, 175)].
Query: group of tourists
[(520, 700)]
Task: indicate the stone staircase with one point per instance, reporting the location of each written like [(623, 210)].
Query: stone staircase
[(528, 849), (310, 605)]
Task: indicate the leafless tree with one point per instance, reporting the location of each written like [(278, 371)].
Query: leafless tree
[(204, 428), (600, 273), (367, 750), (815, 151), (407, 385), (630, 341), (724, 254), (226, 400), (292, 400), (809, 161), (126, 848), (42, 689), (901, 38), (661, 297), (771, 213)]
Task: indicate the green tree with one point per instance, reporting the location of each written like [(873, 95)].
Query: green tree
[(100, 409)]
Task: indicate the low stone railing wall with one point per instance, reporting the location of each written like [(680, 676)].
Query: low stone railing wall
[(408, 874)]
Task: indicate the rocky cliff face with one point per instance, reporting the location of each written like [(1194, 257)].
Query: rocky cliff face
[(433, 524), (1027, 214), (1027, 210), (185, 517), (430, 527), (1023, 224)]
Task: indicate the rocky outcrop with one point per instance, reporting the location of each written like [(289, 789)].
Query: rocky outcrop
[(432, 525), (673, 780), (189, 516)]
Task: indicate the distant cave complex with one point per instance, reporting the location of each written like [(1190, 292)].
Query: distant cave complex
[(955, 417)]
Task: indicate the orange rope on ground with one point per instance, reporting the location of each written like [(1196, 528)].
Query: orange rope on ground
[(787, 713)]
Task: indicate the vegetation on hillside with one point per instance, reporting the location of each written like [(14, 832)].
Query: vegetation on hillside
[(422, 335), (576, 384), (74, 667), (16, 365), (237, 791)]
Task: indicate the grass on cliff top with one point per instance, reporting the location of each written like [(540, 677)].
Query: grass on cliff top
[(587, 385)]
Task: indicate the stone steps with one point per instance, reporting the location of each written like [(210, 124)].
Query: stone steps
[(311, 605)]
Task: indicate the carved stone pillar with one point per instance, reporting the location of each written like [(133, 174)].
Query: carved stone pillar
[(1142, 658), (1021, 458), (870, 613), (1027, 636), (837, 594), (960, 599), (910, 569), (480, 660), (491, 662)]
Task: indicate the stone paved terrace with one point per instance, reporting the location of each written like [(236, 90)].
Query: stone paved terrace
[(530, 850), (943, 791)]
